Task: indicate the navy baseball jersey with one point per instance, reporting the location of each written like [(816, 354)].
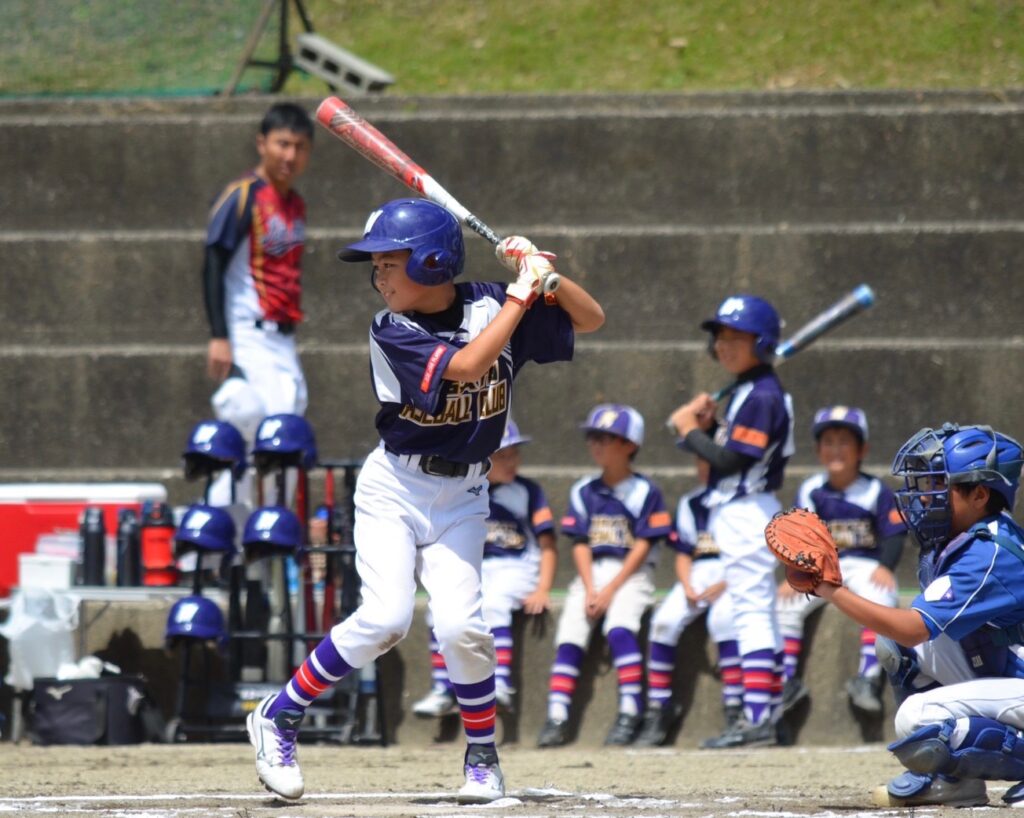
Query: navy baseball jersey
[(611, 519), (421, 412), (519, 513), (972, 591), (758, 423), (859, 516), (264, 232), (691, 535)]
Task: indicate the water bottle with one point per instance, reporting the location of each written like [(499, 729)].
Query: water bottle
[(157, 544), (93, 535), (129, 557)]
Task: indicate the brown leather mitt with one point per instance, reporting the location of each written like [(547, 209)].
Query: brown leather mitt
[(802, 542)]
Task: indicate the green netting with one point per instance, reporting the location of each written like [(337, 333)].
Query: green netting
[(130, 46)]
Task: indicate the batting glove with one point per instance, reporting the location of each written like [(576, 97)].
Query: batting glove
[(534, 271), (510, 251)]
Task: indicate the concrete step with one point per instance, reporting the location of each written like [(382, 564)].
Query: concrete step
[(656, 282), (134, 407), (720, 163)]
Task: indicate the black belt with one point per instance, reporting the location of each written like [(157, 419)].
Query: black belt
[(284, 327), (436, 465)]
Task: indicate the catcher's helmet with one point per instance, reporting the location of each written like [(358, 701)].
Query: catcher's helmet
[(194, 617), (272, 528), (214, 445), (205, 528), (934, 459), (617, 419), (748, 313), (284, 440), (428, 230), (841, 417)]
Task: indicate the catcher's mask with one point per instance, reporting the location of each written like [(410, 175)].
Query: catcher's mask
[(935, 459)]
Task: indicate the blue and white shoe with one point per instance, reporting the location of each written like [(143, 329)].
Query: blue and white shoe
[(484, 781), (274, 740)]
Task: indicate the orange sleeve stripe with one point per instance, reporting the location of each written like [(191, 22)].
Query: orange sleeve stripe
[(660, 518), (542, 515), (751, 437), (895, 517)]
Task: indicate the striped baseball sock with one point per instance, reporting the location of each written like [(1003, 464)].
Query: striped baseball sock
[(438, 669), (476, 703), (629, 665), (503, 651), (792, 644), (778, 679), (868, 662), (661, 664), (323, 668), (564, 674), (758, 669), (731, 673)]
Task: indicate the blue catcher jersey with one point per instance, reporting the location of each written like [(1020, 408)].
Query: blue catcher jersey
[(758, 423), (859, 516), (973, 591), (519, 513), (692, 536), (611, 519), (421, 413)]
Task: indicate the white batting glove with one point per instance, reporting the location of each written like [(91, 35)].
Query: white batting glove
[(534, 272), (511, 250)]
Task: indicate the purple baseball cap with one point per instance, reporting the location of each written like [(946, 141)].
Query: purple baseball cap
[(512, 437), (616, 419), (845, 417)]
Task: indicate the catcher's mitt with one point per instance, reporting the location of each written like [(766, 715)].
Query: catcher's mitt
[(803, 544)]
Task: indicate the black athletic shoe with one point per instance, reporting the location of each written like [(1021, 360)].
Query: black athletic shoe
[(657, 724), (623, 731), (865, 694), (732, 713), (553, 734), (744, 734), (794, 691)]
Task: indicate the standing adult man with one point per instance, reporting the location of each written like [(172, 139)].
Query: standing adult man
[(252, 279)]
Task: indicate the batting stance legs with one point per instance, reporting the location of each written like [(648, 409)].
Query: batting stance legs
[(406, 522)]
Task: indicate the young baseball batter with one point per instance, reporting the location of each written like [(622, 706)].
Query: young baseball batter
[(965, 630), (442, 358), (252, 283), (861, 513), (615, 519), (700, 589), (519, 565), (747, 450)]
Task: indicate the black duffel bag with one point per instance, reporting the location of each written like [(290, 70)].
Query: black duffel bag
[(107, 710)]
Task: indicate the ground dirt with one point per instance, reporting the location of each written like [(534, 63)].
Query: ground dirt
[(157, 781)]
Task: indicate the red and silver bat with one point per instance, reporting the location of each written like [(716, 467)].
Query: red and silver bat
[(339, 118)]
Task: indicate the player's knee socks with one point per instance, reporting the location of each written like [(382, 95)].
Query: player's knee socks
[(868, 663), (503, 653), (565, 672), (758, 676), (477, 706), (660, 665), (731, 673), (629, 666), (438, 669), (777, 679), (323, 668), (791, 647)]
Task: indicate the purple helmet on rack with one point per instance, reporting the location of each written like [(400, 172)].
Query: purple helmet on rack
[(214, 445), (205, 528), (272, 529), (194, 617), (284, 440)]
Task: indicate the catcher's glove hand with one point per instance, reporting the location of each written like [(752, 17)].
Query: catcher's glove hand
[(803, 544)]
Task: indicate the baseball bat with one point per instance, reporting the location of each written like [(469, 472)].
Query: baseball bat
[(844, 309), (342, 121)]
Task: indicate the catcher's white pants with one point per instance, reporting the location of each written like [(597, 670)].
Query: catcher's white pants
[(961, 694), (793, 610), (676, 612), (738, 528), (408, 522), (626, 610)]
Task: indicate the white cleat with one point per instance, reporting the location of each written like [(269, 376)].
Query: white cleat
[(436, 704), (484, 781), (274, 740)]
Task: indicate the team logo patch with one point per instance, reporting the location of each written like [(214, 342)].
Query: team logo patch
[(941, 590)]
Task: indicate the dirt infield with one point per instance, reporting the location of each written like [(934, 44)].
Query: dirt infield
[(168, 781)]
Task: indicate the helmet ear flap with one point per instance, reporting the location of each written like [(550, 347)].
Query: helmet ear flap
[(431, 266)]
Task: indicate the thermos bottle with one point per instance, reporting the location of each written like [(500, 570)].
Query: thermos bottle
[(93, 536)]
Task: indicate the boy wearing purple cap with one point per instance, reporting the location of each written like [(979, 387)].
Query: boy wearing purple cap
[(520, 558), (615, 520), (861, 514)]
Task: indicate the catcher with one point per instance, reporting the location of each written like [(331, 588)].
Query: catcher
[(956, 656)]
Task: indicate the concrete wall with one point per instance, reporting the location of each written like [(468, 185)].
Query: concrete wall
[(661, 204)]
